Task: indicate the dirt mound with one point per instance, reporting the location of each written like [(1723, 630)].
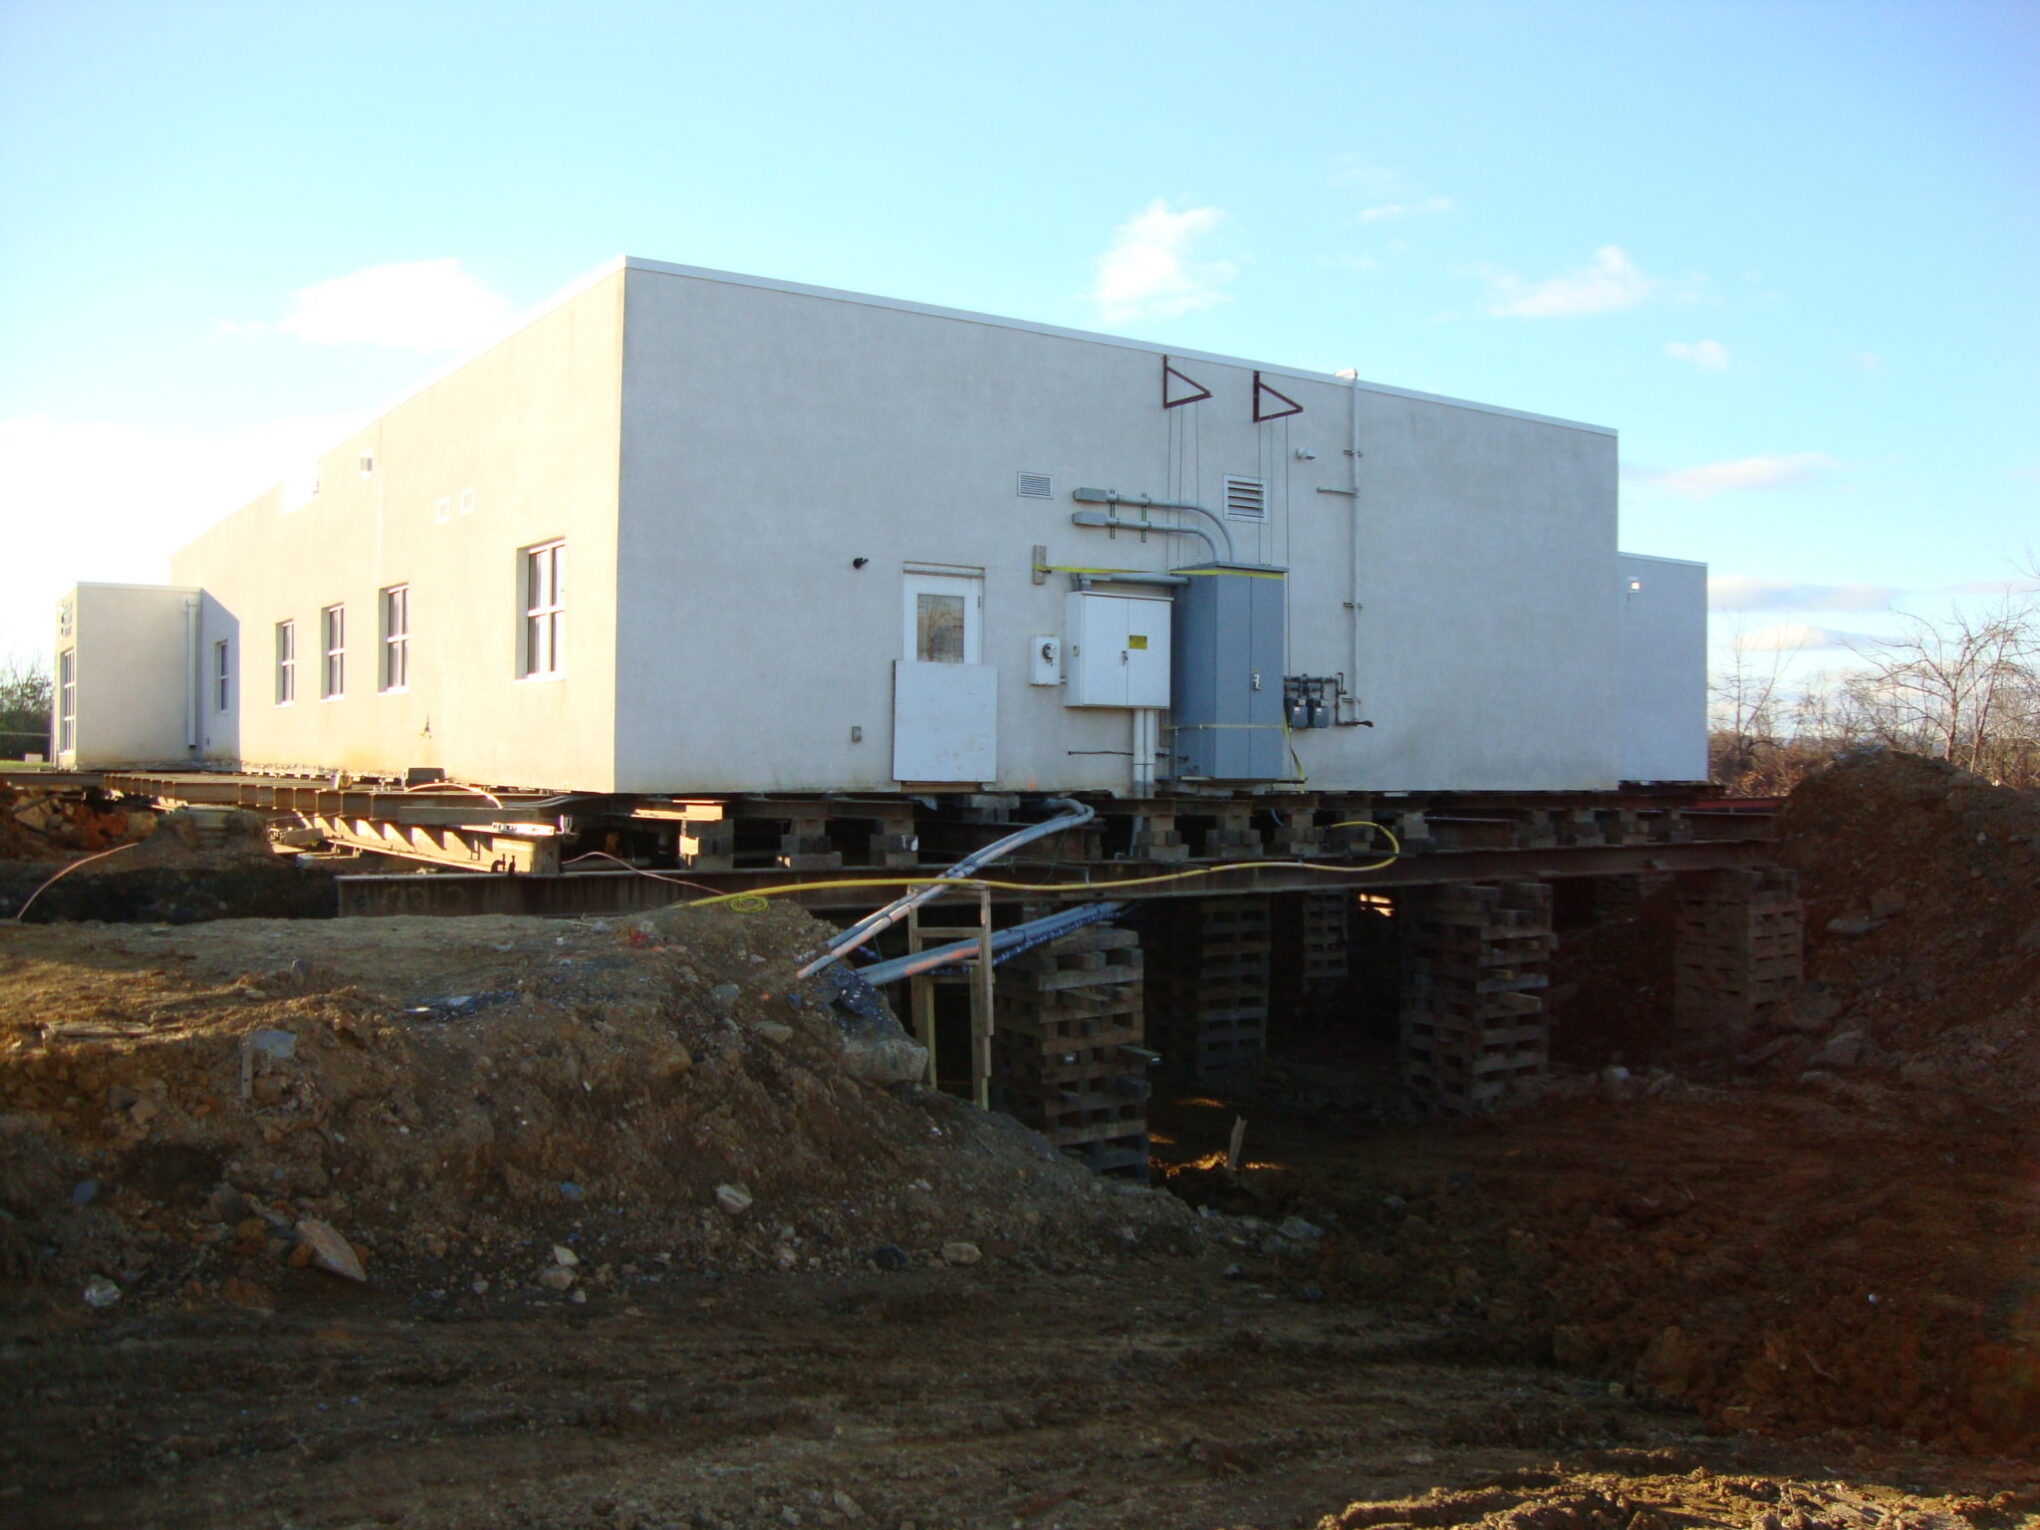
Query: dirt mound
[(476, 1104), (178, 867), (39, 823), (1922, 888), (1626, 1493), (1833, 1224)]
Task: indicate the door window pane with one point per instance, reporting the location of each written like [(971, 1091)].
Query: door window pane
[(938, 629)]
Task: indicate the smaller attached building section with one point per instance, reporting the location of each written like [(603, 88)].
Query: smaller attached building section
[(130, 687)]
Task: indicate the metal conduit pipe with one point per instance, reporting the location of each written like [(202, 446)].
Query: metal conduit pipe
[(1100, 518), (1073, 814), (1143, 502), (1007, 942), (193, 686), (1081, 581)]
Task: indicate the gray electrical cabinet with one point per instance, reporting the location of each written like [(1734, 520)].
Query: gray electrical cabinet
[(1226, 696)]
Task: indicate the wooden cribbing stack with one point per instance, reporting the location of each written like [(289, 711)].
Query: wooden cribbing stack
[(1473, 956), (1738, 951), (1208, 992), (1310, 953), (1068, 1053)]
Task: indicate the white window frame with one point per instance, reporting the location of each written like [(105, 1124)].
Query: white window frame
[(969, 589), (333, 652), (223, 675), (286, 663), (67, 701), (394, 605), (542, 599)]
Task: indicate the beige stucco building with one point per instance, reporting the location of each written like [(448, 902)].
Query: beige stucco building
[(690, 532)]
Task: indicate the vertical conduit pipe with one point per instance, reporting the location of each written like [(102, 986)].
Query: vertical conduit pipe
[(1349, 692), (191, 681)]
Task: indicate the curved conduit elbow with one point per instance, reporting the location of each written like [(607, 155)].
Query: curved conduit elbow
[(1073, 813)]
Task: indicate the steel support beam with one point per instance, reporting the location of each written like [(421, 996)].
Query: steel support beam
[(477, 850), (595, 892)]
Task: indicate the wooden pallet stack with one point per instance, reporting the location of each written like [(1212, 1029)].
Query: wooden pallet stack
[(1068, 1056), (1208, 993), (1738, 951), (1310, 956), (1473, 956)]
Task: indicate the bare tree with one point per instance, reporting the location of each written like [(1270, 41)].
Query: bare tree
[(1746, 705), (24, 707), (1962, 689)]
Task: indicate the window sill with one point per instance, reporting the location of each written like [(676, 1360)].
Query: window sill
[(537, 679)]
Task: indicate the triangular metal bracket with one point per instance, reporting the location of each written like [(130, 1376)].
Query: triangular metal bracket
[(1260, 416), (1198, 397)]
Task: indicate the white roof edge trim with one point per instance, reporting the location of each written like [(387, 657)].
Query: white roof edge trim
[(132, 584), (964, 315), (1655, 558)]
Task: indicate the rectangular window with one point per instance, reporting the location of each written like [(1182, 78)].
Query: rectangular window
[(67, 700), (333, 640), (286, 663), (223, 675), (544, 609), (396, 637)]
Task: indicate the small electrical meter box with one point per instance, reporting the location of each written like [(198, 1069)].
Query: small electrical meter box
[(1115, 650)]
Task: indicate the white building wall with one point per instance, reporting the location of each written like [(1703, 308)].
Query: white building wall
[(515, 448), (774, 436), (135, 679), (1664, 674)]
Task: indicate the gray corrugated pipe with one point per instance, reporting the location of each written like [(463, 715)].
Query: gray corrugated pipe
[(1143, 502), (1007, 942), (1073, 814)]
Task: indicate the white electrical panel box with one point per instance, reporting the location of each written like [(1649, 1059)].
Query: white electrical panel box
[(1115, 650)]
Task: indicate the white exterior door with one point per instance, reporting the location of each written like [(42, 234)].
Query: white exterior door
[(945, 703)]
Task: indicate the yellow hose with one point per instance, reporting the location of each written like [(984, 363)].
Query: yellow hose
[(761, 893)]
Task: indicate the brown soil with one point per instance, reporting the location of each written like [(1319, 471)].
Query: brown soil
[(1770, 1287), (39, 823)]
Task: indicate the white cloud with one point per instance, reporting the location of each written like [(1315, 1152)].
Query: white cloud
[(1704, 480), (1792, 637), (1406, 209), (1707, 355), (1146, 270), (1994, 587), (126, 498), (1867, 361), (1739, 592), (421, 305), (1612, 282)]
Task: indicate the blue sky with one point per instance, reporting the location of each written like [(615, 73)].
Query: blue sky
[(1788, 250)]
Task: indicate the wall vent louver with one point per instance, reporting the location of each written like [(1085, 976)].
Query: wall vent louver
[(1246, 499), (1036, 486)]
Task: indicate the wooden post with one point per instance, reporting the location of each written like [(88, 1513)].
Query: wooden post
[(921, 999), (981, 1007)]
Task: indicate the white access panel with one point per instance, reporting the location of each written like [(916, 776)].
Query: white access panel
[(945, 722), (1115, 650)]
